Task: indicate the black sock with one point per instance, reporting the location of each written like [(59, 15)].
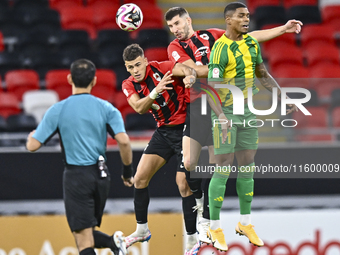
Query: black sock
[(206, 183), (102, 240), (189, 214), (194, 185), (87, 251), (141, 201)]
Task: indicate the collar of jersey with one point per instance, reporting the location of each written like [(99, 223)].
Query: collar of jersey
[(225, 38)]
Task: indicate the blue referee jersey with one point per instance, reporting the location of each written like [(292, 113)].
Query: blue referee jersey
[(82, 121)]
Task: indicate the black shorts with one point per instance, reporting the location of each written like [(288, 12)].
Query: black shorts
[(166, 142), (85, 195), (198, 126)]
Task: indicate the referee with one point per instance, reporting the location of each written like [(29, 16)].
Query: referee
[(82, 122)]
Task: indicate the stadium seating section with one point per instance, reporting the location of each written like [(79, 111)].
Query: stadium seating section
[(39, 39), (309, 60)]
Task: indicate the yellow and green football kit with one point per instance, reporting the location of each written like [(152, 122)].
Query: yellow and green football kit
[(233, 63)]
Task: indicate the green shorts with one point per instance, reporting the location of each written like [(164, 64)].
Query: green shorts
[(241, 136)]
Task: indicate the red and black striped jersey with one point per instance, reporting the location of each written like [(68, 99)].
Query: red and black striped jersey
[(169, 107), (197, 48)]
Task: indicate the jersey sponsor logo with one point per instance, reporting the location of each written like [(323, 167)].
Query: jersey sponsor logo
[(175, 55), (126, 92), (204, 36), (202, 51), (155, 107), (157, 77), (164, 104), (216, 73)]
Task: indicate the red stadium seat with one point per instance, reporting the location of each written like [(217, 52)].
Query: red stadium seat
[(318, 119), (324, 87), (79, 18), (314, 138), (152, 17), (325, 71), (326, 78), (120, 101), (9, 104), (127, 110), (286, 56), (141, 3), (253, 4), (105, 17), (63, 4), (20, 81), (275, 45), (311, 34), (106, 84), (292, 76), (289, 3), (157, 54), (291, 71), (320, 54), (331, 16), (57, 80), (336, 117), (103, 4), (275, 48)]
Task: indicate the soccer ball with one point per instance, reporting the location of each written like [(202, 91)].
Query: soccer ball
[(129, 17)]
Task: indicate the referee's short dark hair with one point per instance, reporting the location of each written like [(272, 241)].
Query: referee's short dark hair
[(174, 11), (82, 72), (231, 8), (132, 52)]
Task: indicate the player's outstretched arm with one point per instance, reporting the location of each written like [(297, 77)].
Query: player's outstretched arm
[(125, 151), (292, 26), (184, 70), (201, 70), (32, 144), (142, 105)]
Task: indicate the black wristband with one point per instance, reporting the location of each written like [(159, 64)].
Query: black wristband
[(127, 171)]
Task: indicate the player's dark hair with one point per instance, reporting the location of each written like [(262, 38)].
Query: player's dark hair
[(82, 72), (132, 52), (231, 8), (174, 11)]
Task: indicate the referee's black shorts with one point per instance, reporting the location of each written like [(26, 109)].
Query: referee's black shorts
[(198, 126), (85, 195), (166, 142)]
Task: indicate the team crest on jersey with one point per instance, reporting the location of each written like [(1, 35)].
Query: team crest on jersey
[(175, 55), (157, 76), (204, 36), (202, 51)]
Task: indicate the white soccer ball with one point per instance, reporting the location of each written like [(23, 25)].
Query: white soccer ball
[(129, 17)]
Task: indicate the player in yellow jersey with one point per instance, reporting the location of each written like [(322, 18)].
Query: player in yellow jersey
[(236, 59)]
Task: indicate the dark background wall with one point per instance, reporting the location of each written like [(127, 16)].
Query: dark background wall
[(39, 175)]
